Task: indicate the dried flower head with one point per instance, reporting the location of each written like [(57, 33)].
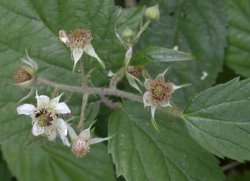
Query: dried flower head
[(81, 144), (135, 70), (79, 41), (159, 93), (25, 75), (45, 117)]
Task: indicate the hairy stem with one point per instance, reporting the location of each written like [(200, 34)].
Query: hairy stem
[(80, 125), (91, 91)]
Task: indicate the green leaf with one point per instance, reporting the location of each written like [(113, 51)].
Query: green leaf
[(197, 27), (142, 153), (5, 174), (153, 54), (55, 163), (238, 50), (218, 118)]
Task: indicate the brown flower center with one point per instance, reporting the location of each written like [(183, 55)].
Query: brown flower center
[(22, 76), (44, 117), (160, 91), (135, 71), (79, 38)]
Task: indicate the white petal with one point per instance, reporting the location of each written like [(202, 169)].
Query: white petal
[(161, 76), (62, 108), (72, 133), (98, 140), (37, 129), (61, 127), (26, 109), (76, 54), (85, 134), (53, 102), (153, 109), (42, 100), (166, 104), (147, 83), (51, 135), (128, 55), (132, 81), (63, 37), (146, 99), (91, 52)]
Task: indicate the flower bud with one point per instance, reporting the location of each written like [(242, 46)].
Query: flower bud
[(152, 13), (128, 34)]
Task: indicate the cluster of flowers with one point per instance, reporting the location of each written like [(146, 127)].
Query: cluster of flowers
[(46, 121), (45, 116)]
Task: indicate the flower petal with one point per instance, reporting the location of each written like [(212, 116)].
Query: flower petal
[(97, 140), (51, 135), (53, 102), (62, 108), (64, 37), (62, 130), (42, 100), (76, 54), (61, 127), (37, 129), (166, 104), (26, 109), (146, 99), (72, 133), (147, 83), (91, 52)]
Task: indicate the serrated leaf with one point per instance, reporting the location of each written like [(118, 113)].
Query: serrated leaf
[(142, 153), (238, 50), (194, 26), (218, 118), (154, 54), (56, 163)]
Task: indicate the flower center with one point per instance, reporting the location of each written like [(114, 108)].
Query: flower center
[(45, 117), (22, 76), (79, 38), (80, 147), (160, 91)]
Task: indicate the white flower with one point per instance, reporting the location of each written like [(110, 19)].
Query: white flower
[(159, 93), (45, 117), (81, 144), (79, 41)]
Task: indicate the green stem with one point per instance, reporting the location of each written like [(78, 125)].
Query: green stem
[(80, 125), (138, 35)]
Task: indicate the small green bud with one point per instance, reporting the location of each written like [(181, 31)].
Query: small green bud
[(128, 34), (152, 13)]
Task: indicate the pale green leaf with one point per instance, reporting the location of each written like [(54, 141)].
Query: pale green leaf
[(154, 54)]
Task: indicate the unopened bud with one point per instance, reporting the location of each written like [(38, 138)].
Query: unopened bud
[(128, 34), (152, 13)]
